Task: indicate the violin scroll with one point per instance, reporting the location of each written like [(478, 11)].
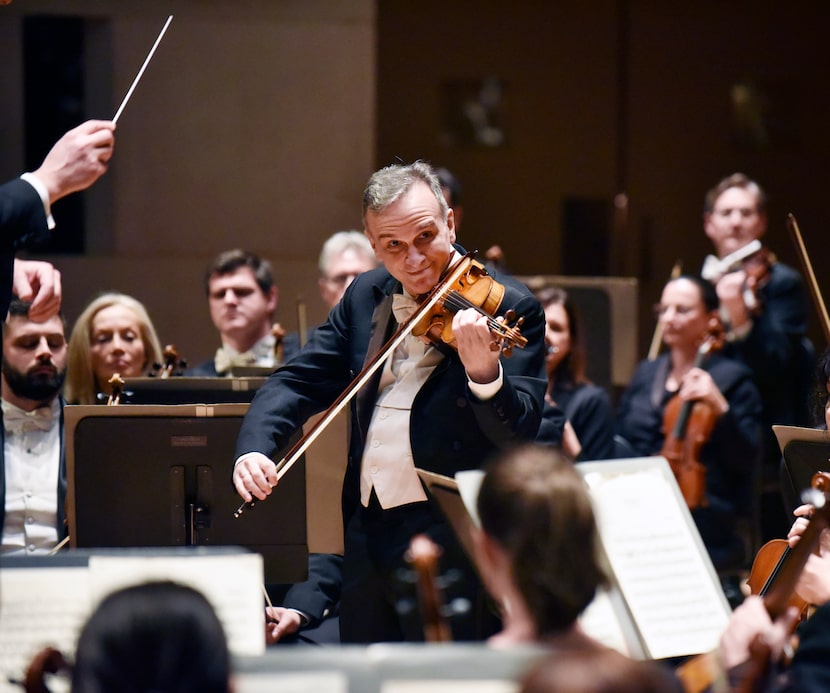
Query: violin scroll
[(172, 365)]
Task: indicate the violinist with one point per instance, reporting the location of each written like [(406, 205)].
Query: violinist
[(688, 314), (765, 310), (430, 406)]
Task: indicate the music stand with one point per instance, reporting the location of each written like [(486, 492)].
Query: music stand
[(188, 390), (142, 476), (806, 452)]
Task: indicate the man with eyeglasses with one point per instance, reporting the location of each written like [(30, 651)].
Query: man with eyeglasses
[(344, 255)]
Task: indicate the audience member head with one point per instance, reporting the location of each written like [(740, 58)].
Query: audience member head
[(598, 670), (565, 359), (34, 358), (538, 542), (113, 334), (734, 213), (451, 188), (404, 207), (158, 636), (344, 255), (242, 296)]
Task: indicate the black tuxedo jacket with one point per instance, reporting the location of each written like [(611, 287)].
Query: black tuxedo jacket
[(22, 223), (450, 429), (62, 526)]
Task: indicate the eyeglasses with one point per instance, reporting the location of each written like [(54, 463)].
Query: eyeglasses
[(341, 279)]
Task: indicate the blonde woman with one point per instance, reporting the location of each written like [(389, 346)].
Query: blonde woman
[(114, 334)]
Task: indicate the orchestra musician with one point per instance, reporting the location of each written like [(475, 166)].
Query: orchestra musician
[(765, 310), (242, 297), (688, 313), (587, 407), (344, 255), (113, 334), (537, 547), (32, 457), (430, 406)]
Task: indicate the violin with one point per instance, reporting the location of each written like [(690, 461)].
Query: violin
[(777, 566), (476, 289), (775, 582), (755, 260), (464, 281), (687, 426)]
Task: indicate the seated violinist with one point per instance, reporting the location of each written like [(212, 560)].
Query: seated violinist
[(242, 297), (726, 412)]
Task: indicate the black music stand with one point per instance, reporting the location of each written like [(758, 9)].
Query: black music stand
[(806, 451), (188, 390), (150, 476)]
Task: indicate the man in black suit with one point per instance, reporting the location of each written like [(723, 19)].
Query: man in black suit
[(765, 308), (242, 297), (430, 406), (76, 161), (32, 459)]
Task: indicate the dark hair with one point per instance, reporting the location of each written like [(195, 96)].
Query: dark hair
[(736, 180), (820, 394), (20, 309), (451, 183), (536, 506), (159, 636), (708, 293), (571, 370), (229, 261)]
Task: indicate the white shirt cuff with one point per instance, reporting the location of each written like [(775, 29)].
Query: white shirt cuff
[(38, 185), (485, 391)]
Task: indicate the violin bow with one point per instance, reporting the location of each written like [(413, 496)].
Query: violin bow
[(657, 337), (807, 268)]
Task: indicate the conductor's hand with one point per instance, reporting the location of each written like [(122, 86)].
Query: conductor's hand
[(476, 346), (78, 158), (280, 622), (254, 475), (39, 283)]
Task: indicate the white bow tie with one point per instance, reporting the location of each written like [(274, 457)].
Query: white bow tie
[(18, 421), (403, 307), (261, 354)]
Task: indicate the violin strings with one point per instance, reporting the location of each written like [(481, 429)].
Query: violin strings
[(456, 302)]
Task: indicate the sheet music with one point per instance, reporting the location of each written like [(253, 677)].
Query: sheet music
[(38, 608), (232, 584), (657, 557)]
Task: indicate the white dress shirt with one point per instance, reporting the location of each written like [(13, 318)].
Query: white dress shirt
[(32, 463)]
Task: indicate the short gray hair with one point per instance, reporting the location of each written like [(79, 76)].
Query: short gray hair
[(338, 243), (388, 184)]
